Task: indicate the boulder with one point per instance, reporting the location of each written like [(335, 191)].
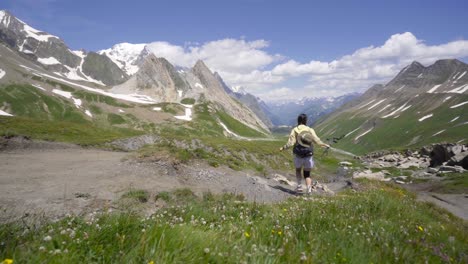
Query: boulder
[(283, 180), (446, 168), (380, 176), (426, 151), (440, 154), (464, 163), (458, 160)]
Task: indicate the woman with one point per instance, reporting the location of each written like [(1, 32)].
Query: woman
[(302, 137)]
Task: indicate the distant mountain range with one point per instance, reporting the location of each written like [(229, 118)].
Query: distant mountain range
[(125, 69), (285, 113), (421, 105)]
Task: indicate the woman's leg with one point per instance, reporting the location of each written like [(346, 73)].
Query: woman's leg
[(299, 178)]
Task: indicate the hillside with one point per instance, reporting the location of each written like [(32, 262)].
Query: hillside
[(421, 105)]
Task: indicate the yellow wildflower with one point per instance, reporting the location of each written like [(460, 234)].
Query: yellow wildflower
[(151, 262), (247, 234), (279, 233), (7, 261), (420, 228)]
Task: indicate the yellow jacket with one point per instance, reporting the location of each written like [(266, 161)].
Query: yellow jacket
[(295, 131)]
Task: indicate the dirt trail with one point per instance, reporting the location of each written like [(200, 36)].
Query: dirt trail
[(53, 182)]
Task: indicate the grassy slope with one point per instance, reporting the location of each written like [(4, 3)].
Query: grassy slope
[(383, 224), (40, 116), (402, 132)]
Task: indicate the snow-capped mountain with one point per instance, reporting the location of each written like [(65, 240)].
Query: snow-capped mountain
[(286, 112), (420, 105), (53, 54), (126, 55)]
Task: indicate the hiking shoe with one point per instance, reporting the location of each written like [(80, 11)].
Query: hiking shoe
[(309, 189), (299, 189)]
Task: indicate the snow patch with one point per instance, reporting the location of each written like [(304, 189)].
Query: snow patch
[(453, 120), (399, 108), (3, 113), (356, 138), (463, 74), (2, 73), (460, 89), (399, 89), (368, 103), (232, 133), (376, 104), (199, 85), (67, 95), (121, 111), (425, 117), (88, 113), (446, 98), (387, 106), (34, 33), (38, 87), (352, 132), (188, 114), (48, 61), (179, 92), (458, 105), (136, 98), (434, 88), (157, 108), (438, 132), (420, 75)]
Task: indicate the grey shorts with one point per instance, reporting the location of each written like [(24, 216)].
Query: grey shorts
[(306, 163)]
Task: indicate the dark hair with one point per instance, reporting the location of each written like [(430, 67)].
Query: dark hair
[(302, 119)]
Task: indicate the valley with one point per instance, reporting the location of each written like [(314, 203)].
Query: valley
[(124, 156)]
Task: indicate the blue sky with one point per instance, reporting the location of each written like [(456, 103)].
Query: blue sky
[(287, 46)]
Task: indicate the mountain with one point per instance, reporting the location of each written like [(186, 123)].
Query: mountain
[(421, 105), (285, 113), (97, 87), (127, 56), (51, 53), (252, 102)]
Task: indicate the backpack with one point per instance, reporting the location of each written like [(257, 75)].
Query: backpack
[(303, 151)]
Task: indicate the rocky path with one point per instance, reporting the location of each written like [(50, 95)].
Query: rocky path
[(52, 182)]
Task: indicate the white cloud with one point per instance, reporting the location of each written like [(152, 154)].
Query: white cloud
[(239, 62), (367, 66), (248, 64)]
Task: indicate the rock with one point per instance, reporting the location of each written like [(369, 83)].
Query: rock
[(440, 154), (426, 151), (401, 178), (345, 163), (380, 176), (451, 169), (464, 163), (342, 171), (432, 170), (458, 159), (283, 180), (400, 182)]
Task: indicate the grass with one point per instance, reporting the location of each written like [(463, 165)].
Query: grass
[(402, 132), (188, 101), (383, 224), (99, 98), (452, 183), (139, 195), (62, 131), (28, 101)]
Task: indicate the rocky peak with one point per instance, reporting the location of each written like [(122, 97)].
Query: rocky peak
[(201, 67)]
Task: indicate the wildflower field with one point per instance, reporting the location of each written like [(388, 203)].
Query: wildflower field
[(381, 224)]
